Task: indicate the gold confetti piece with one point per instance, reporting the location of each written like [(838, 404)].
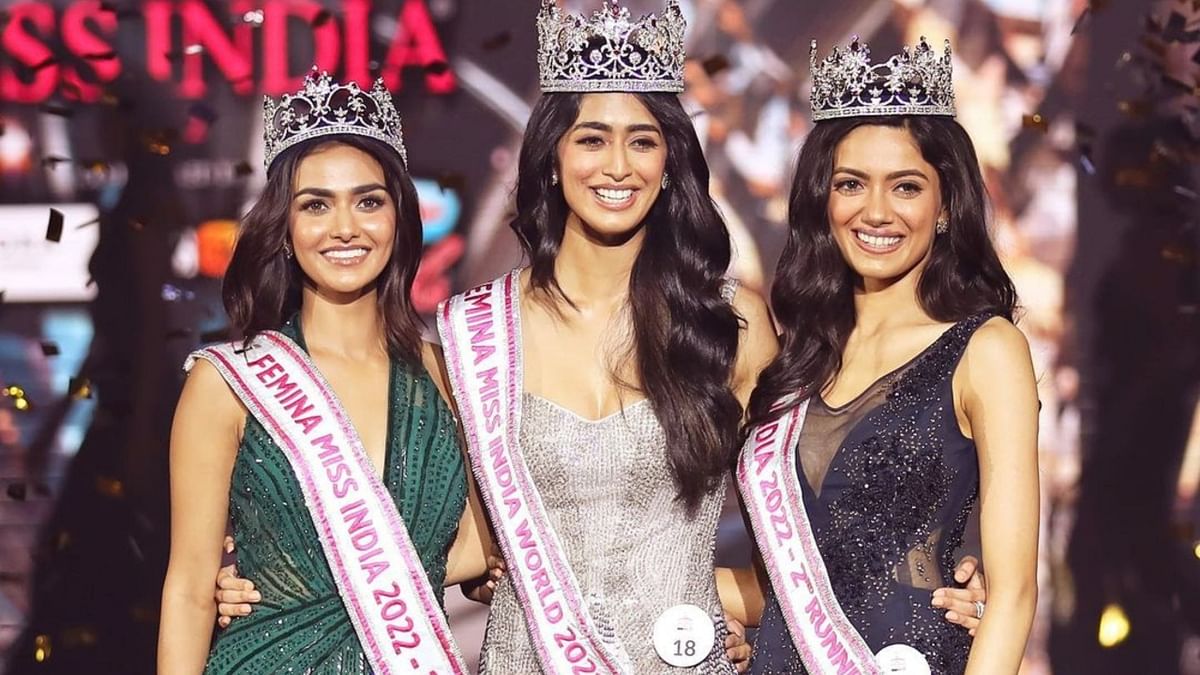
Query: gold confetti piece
[(1133, 108), (41, 648), (1178, 254), (14, 391), (21, 404), (80, 387), (1035, 121), (110, 487)]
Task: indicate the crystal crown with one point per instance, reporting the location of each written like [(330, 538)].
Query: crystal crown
[(610, 51), (916, 81), (323, 107)]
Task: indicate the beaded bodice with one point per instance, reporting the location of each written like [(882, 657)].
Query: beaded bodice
[(889, 482), (301, 625), (632, 546)]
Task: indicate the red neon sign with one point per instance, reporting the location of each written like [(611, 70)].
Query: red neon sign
[(340, 44)]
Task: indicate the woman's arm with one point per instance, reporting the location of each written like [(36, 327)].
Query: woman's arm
[(204, 442), (741, 595), (467, 560), (999, 403), (468, 556), (758, 343)]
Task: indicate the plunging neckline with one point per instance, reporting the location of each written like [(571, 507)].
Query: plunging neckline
[(381, 472), (518, 321), (899, 373), (838, 409)]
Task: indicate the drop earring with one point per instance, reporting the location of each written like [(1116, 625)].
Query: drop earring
[(554, 177), (943, 225), (287, 250), (666, 181)]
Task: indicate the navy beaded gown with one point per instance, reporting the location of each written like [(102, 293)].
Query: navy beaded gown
[(889, 484)]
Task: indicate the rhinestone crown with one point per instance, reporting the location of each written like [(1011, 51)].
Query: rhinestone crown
[(324, 108), (610, 51), (913, 82)]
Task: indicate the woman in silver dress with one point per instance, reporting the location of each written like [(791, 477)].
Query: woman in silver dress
[(638, 354)]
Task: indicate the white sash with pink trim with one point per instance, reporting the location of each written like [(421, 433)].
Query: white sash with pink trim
[(481, 335), (381, 580), (769, 480)]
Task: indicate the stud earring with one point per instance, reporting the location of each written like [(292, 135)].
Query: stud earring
[(943, 225), (554, 177), (666, 181), (287, 250)]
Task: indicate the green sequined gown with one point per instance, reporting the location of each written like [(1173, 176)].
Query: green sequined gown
[(301, 625)]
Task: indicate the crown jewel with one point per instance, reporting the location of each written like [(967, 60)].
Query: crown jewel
[(913, 82), (610, 51), (324, 108)]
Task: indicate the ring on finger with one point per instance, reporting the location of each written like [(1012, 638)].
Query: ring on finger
[(979, 607)]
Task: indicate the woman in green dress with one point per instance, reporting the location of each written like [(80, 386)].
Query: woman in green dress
[(327, 257)]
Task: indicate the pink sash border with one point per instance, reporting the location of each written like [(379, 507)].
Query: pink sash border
[(553, 646), (768, 480), (230, 361)]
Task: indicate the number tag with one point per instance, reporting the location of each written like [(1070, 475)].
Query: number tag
[(684, 635), (903, 659)]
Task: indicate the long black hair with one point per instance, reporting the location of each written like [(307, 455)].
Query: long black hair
[(263, 287), (685, 335), (813, 292)]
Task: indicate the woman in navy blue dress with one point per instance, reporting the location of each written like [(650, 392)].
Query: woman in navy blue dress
[(897, 323)]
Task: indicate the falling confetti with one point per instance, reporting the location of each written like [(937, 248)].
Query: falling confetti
[(322, 18), (437, 67), (498, 41), (80, 387), (110, 487), (16, 491), (200, 118), (715, 64), (1035, 121), (193, 49), (243, 168), (57, 109), (54, 228), (452, 181), (49, 348), (254, 17)]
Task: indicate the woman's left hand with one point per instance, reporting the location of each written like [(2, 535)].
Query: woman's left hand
[(736, 648)]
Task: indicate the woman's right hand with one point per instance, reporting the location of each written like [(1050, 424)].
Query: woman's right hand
[(484, 588), (234, 595)]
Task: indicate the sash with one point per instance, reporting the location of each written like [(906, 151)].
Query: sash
[(481, 335), (769, 481), (377, 571)]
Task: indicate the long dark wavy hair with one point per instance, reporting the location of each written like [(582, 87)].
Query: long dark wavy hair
[(813, 292), (685, 335), (263, 287)]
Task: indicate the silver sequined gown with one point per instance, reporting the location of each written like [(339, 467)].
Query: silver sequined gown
[(634, 550)]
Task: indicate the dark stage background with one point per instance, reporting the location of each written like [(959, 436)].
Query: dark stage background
[(137, 123)]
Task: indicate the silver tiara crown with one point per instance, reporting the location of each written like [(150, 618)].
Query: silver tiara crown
[(324, 108), (913, 82), (610, 51)]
